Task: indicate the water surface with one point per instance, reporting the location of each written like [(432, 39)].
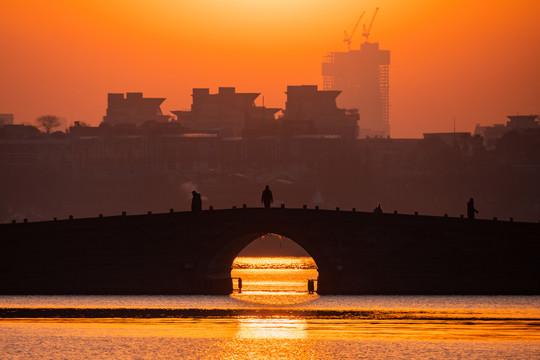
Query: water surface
[(273, 317)]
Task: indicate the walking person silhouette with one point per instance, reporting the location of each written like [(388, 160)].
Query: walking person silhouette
[(196, 202), (266, 197), (470, 209)]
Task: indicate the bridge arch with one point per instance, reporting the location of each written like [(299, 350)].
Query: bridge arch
[(273, 245), (217, 264)]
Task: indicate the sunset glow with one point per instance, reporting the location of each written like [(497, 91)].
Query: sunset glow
[(269, 179), (475, 60), (275, 281)]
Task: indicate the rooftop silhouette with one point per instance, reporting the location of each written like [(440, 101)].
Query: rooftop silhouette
[(133, 108)]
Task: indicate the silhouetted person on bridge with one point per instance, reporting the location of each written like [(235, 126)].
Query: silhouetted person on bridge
[(196, 202), (266, 197), (470, 209), (378, 209)]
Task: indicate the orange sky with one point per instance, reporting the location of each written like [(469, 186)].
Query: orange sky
[(476, 60)]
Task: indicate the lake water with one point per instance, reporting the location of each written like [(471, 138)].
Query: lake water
[(273, 318)]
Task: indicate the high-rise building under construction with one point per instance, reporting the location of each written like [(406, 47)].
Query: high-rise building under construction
[(362, 76)]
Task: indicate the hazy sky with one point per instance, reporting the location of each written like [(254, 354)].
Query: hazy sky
[(473, 59)]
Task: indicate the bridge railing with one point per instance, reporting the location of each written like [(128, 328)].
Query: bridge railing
[(281, 206)]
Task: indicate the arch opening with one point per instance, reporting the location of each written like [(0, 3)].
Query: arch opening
[(274, 269)]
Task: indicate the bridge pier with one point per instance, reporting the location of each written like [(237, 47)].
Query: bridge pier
[(221, 286)]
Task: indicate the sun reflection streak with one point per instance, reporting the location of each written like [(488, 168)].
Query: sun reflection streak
[(284, 262), (278, 299), (272, 328)]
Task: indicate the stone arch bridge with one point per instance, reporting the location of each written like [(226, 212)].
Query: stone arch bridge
[(192, 253)]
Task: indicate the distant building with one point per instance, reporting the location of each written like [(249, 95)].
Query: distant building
[(517, 123), (7, 119), (463, 140), (127, 150), (362, 76), (227, 113), (25, 147), (310, 111), (133, 108), (450, 138), (522, 122), (19, 131)]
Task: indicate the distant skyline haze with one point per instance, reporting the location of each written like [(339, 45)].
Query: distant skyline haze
[(474, 60)]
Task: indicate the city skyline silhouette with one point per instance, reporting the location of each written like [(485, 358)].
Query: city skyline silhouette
[(472, 62)]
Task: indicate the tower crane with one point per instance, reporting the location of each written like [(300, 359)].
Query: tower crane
[(367, 31), (348, 38)]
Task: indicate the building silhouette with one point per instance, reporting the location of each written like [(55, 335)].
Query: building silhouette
[(362, 76), (7, 119), (519, 123), (308, 156), (226, 113), (133, 108), (309, 110)]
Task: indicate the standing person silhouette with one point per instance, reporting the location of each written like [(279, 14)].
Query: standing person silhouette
[(196, 202), (266, 197), (470, 209)]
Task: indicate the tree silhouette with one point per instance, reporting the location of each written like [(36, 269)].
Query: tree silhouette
[(48, 122)]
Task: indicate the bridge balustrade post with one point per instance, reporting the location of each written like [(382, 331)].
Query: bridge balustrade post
[(310, 286)]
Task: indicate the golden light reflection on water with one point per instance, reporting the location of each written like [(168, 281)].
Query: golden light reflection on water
[(274, 298), (283, 327), (283, 262), (274, 281), (272, 328), (374, 327)]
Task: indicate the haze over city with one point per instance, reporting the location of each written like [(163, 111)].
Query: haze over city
[(472, 60)]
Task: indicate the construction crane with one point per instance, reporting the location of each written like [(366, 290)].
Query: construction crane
[(368, 30), (348, 38)]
